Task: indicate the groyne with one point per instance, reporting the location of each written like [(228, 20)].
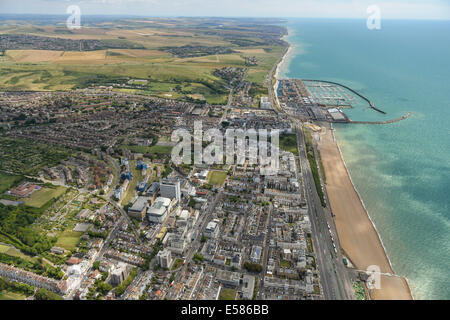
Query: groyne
[(382, 122)]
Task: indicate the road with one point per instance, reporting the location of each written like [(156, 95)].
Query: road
[(230, 99), (335, 279), (265, 254), (195, 245), (119, 207), (99, 255)]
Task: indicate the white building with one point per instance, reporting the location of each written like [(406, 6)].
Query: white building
[(159, 210), (164, 258), (119, 273), (212, 230), (170, 188)]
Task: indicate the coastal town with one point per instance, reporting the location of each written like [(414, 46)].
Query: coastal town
[(94, 207)]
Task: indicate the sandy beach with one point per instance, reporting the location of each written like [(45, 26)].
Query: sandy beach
[(357, 234)]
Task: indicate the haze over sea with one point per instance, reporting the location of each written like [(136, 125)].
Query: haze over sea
[(401, 170)]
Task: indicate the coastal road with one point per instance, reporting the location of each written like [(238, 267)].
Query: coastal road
[(332, 277)]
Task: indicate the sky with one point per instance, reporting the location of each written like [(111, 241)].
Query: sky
[(390, 9)]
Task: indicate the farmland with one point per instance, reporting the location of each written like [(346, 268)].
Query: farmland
[(166, 52)]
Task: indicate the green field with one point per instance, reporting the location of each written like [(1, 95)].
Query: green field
[(216, 177), (288, 142), (7, 181), (41, 197), (227, 294), (14, 252), (8, 295), (68, 239)]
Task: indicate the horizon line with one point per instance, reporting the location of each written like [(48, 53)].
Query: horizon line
[(226, 16)]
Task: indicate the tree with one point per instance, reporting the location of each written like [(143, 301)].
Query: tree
[(44, 294), (253, 267)]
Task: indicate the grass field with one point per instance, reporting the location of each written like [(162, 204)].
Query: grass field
[(216, 177), (68, 239), (41, 197), (8, 295), (227, 294), (7, 181), (14, 252), (288, 142)]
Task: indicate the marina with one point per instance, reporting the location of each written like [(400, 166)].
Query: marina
[(321, 100)]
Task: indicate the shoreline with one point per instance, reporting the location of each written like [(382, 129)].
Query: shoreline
[(284, 59), (360, 198), (368, 215), (357, 232), (395, 286)]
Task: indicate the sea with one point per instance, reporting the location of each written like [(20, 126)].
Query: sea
[(401, 170)]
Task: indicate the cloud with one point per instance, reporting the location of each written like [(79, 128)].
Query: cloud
[(403, 9)]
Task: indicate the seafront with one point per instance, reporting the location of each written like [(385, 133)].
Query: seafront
[(357, 234)]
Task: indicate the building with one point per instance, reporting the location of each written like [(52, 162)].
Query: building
[(126, 175), (153, 190), (256, 254), (170, 188), (141, 165), (141, 186), (24, 190), (236, 261), (228, 278), (265, 103), (139, 208), (248, 286), (118, 193), (31, 278), (119, 273), (212, 230), (164, 258), (159, 210)]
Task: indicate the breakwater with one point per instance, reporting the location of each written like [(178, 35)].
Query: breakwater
[(351, 90), (382, 122)]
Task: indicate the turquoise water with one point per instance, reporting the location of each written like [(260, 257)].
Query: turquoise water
[(401, 170)]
